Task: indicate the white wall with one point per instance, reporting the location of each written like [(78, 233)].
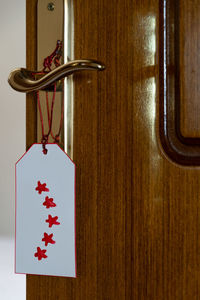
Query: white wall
[(12, 106), (12, 140)]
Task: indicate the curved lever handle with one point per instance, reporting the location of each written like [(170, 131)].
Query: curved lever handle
[(22, 79)]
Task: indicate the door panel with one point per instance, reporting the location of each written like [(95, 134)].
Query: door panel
[(178, 77), (137, 210), (189, 28)]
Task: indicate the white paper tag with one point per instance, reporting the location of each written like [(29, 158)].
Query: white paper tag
[(45, 213)]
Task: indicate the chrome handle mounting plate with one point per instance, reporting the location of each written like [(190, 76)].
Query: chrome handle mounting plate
[(55, 22)]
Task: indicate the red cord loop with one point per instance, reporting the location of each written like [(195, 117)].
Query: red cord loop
[(54, 57), (44, 141)]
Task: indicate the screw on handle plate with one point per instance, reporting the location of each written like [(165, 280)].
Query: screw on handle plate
[(51, 6)]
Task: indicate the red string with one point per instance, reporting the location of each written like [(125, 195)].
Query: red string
[(45, 137), (53, 58), (57, 136)]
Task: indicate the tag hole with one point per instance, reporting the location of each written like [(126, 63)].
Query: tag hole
[(45, 151)]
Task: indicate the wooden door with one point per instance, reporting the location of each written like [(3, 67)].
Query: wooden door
[(137, 152)]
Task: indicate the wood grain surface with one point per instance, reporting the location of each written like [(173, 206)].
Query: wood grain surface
[(138, 221), (189, 12)]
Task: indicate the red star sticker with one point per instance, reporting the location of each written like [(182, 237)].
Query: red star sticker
[(41, 188), (48, 239), (52, 221), (49, 202), (40, 253)]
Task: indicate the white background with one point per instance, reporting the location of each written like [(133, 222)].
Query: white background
[(12, 145)]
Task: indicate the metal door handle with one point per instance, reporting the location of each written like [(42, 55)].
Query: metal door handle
[(23, 80)]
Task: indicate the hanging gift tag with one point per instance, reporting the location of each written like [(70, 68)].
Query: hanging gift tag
[(45, 212)]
